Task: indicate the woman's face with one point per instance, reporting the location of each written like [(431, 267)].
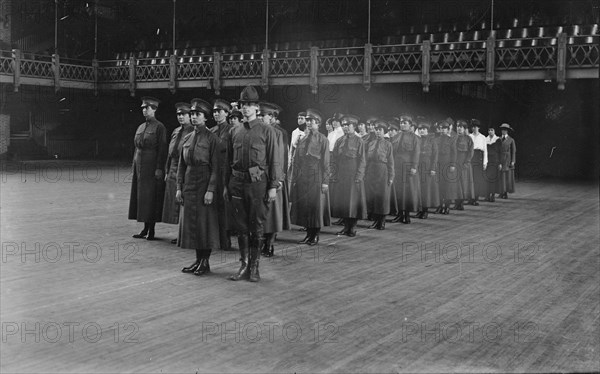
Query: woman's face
[(198, 118)]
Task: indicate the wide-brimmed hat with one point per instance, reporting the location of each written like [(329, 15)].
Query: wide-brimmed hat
[(249, 95), (505, 126)]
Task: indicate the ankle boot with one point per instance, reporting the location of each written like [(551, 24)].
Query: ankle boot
[(255, 259), (439, 210), (344, 231), (307, 237), (419, 214), (267, 247), (151, 232), (203, 268), (192, 268), (406, 217), (350, 231), (381, 223), (314, 240), (398, 218), (142, 233), (425, 214), (339, 222), (244, 270)]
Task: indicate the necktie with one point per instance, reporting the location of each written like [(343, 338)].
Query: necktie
[(193, 147), (308, 139)]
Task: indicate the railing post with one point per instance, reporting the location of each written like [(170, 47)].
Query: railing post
[(425, 65), (367, 66), (172, 73), (217, 73), (56, 70), (132, 63), (314, 70), (95, 73), (16, 57), (490, 60), (561, 61), (265, 70)]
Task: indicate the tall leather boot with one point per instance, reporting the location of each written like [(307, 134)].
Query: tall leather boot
[(192, 268), (257, 243), (244, 271)]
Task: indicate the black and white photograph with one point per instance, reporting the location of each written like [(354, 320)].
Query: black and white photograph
[(299, 186)]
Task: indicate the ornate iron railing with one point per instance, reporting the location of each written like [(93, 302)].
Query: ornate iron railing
[(483, 56)]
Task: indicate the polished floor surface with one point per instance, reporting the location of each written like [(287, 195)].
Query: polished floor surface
[(510, 286)]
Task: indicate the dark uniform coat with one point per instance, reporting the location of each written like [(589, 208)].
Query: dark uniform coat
[(170, 213), (199, 172), (380, 169), (252, 146), (278, 218), (223, 133), (464, 154), (147, 192), (310, 207), (406, 148), (348, 198), (428, 162), (508, 154), (492, 174), (449, 188)]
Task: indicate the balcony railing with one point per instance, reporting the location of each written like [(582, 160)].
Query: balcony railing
[(552, 55)]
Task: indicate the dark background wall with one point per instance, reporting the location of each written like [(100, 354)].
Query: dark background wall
[(556, 131)]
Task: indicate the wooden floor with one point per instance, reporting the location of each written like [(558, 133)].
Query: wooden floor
[(511, 286)]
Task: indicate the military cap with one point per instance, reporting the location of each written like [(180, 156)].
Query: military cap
[(394, 124), (443, 124), (182, 108), (199, 105), (505, 126), (462, 123), (381, 124), (314, 114), (423, 124), (301, 114), (350, 118), (221, 104), (406, 117), (450, 121), (249, 95), (148, 100), (371, 119), (270, 108), (235, 113)]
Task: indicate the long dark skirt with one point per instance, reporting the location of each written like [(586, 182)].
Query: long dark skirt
[(200, 223), (378, 191)]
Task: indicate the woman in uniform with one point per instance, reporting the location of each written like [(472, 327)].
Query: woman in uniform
[(348, 199), (464, 154), (508, 155), (197, 178), (428, 162), (492, 172), (170, 212), (448, 174), (379, 176), (148, 184), (310, 182)]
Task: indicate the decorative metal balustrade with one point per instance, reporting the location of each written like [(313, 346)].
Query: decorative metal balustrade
[(578, 56)]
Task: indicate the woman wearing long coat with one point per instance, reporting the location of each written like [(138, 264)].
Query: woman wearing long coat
[(464, 154), (492, 172), (197, 177), (278, 217), (148, 184), (379, 176), (449, 187), (348, 198), (428, 168), (508, 158), (406, 148), (170, 213), (310, 183)]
